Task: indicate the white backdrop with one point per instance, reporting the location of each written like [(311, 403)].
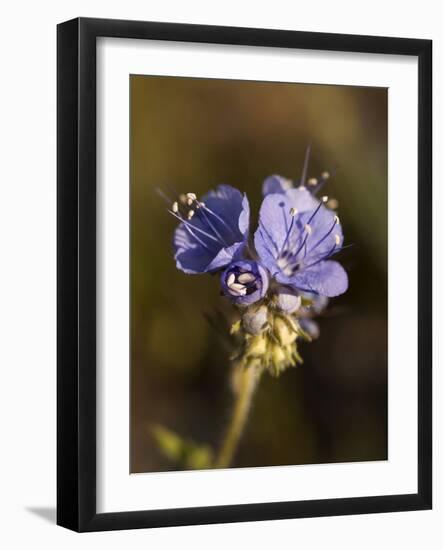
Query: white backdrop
[(27, 304)]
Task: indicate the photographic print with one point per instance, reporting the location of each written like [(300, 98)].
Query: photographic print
[(258, 274), (243, 331)]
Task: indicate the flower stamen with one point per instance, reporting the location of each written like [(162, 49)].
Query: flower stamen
[(325, 257), (237, 286), (305, 168), (336, 222), (202, 208), (242, 281), (190, 198), (231, 279), (192, 228), (246, 278), (292, 212)]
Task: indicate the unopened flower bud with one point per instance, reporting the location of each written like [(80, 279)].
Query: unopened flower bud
[(310, 327), (287, 300), (244, 282), (255, 319), (283, 332)]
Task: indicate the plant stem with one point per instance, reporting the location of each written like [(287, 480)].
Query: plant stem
[(247, 383)]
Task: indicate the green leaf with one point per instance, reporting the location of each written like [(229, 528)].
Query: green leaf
[(183, 453), (169, 443)]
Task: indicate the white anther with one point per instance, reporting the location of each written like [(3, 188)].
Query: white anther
[(237, 286), (182, 198), (336, 219), (333, 204), (230, 279), (325, 175), (175, 207), (235, 292), (325, 198), (312, 181), (337, 239), (308, 228), (293, 211), (191, 197), (246, 278), (302, 188), (190, 214)]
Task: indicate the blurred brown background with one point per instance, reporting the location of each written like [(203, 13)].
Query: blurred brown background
[(190, 135)]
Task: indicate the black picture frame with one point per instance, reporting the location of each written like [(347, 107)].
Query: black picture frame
[(76, 273)]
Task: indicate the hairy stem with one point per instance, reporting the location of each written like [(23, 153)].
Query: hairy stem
[(247, 382)]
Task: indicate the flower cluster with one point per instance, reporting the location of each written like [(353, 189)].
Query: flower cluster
[(281, 276)]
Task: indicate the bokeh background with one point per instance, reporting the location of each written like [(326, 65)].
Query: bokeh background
[(190, 135)]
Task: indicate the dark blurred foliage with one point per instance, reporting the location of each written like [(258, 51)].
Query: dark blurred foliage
[(188, 135)]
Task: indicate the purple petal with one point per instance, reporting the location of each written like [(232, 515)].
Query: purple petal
[(215, 234), (232, 207), (243, 220), (224, 257), (301, 199), (326, 234), (327, 278), (276, 184), (192, 260), (274, 221)]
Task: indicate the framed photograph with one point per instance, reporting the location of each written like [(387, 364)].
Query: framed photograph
[(244, 274)]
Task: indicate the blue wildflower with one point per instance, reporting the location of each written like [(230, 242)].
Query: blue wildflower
[(245, 282), (295, 246), (212, 231)]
